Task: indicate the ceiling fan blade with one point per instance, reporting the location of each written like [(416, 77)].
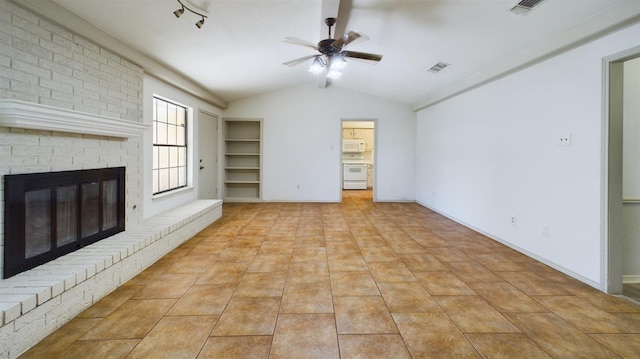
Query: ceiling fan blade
[(349, 38), (299, 60), (297, 41), (362, 55), (344, 12)]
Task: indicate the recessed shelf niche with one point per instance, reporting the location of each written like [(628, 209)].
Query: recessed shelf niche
[(242, 152)]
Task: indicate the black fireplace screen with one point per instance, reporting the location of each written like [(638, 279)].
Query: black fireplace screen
[(48, 215)]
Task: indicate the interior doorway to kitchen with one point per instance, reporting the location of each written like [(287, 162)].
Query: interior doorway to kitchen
[(358, 155)]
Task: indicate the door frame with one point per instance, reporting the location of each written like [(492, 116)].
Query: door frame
[(611, 192), (375, 152)]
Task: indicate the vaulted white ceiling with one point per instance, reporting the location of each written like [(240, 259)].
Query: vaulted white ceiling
[(239, 51)]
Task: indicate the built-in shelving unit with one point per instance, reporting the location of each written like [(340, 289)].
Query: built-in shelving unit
[(242, 152)]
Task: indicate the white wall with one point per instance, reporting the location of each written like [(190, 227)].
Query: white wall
[(492, 153), (631, 170), (154, 205), (303, 124)]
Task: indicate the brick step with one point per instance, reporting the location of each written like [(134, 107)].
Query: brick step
[(36, 302)]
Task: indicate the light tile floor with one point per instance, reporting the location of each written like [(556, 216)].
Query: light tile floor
[(351, 280)]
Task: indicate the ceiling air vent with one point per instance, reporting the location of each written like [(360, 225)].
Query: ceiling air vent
[(438, 67), (525, 6)]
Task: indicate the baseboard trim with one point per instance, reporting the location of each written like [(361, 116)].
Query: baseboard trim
[(631, 279), (521, 250)]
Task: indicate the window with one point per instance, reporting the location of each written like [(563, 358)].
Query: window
[(169, 146)]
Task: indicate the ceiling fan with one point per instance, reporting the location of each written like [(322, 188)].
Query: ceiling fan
[(332, 54)]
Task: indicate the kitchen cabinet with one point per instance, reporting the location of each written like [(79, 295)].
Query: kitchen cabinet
[(368, 139), (242, 152), (353, 133), (370, 176)]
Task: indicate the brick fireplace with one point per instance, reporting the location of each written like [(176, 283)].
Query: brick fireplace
[(41, 138), (50, 214), (67, 104), (37, 138)]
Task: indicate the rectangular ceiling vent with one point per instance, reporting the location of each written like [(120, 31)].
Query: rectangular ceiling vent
[(525, 6), (438, 67)]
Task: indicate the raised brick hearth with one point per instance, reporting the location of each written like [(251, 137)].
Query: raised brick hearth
[(36, 302)]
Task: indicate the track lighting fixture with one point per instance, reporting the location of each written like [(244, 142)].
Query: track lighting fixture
[(200, 23), (180, 11)]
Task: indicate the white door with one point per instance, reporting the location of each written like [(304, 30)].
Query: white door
[(208, 154)]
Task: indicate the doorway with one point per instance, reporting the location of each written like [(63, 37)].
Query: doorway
[(208, 156), (358, 157), (621, 232)]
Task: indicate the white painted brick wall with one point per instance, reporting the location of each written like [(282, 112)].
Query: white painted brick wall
[(44, 63)]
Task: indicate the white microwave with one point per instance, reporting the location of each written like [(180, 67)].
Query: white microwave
[(349, 145)]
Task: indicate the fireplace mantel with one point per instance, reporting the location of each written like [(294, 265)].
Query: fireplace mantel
[(29, 115)]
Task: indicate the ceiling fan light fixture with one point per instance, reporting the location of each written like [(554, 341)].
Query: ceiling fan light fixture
[(316, 66), (334, 74), (332, 57), (337, 62)]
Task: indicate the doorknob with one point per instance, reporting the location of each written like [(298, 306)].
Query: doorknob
[(201, 167)]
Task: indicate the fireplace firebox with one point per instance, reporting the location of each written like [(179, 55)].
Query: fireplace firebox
[(48, 215)]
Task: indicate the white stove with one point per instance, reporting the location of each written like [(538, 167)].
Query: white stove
[(354, 171)]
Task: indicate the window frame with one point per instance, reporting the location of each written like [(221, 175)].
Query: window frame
[(181, 162)]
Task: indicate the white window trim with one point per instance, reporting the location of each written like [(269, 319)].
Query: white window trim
[(190, 139)]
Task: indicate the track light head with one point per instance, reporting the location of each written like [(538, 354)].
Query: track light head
[(200, 23), (184, 7)]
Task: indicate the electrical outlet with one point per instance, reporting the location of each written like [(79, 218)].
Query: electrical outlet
[(564, 139), (545, 231), (513, 220)]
